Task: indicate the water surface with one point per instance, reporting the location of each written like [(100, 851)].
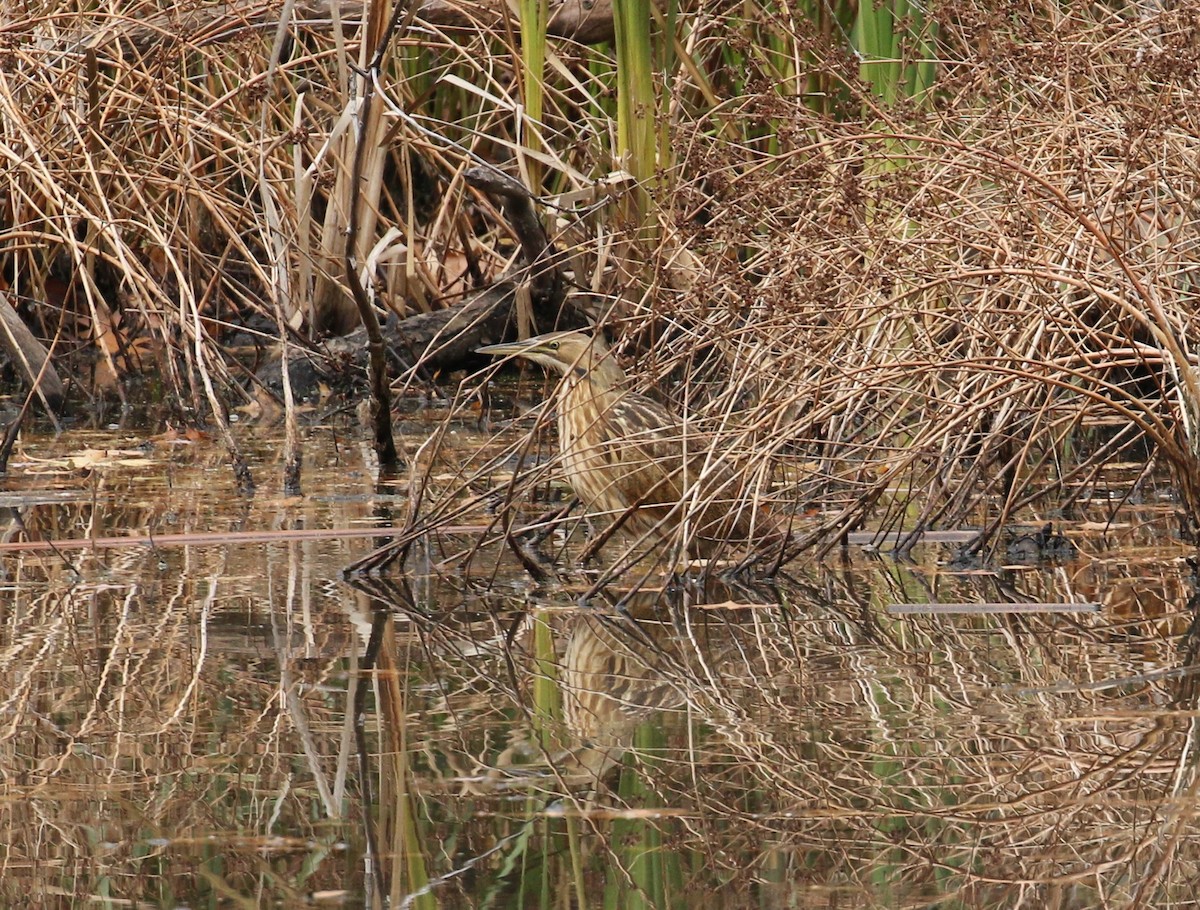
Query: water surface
[(177, 721)]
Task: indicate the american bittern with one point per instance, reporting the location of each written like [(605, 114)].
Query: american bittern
[(630, 459)]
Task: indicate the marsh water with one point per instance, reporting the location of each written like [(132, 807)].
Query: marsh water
[(197, 710)]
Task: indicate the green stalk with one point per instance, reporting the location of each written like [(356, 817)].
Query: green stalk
[(872, 37), (534, 16), (636, 99), (667, 67), (897, 46), (575, 846), (925, 68), (414, 853), (547, 699)]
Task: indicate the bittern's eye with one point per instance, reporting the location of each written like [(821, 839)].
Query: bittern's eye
[(553, 345)]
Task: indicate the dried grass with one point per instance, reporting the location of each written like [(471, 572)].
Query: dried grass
[(944, 311), (933, 317)]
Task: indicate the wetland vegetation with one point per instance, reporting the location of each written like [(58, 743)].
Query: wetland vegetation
[(292, 607)]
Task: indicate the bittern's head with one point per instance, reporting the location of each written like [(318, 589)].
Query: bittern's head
[(566, 353)]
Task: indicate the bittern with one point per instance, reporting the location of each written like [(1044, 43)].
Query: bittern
[(632, 460)]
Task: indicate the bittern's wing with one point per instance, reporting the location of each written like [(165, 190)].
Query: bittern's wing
[(653, 442), (669, 467)]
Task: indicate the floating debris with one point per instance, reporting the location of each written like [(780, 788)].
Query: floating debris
[(897, 609)]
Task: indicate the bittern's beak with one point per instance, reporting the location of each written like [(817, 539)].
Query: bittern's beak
[(554, 351), (507, 349)]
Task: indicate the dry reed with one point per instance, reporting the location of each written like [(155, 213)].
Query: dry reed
[(933, 312), (930, 318)]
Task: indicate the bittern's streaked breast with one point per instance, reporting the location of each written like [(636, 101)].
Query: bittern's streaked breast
[(630, 459)]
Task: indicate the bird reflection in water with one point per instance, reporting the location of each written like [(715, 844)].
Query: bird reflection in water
[(617, 671), (620, 671), (612, 681)]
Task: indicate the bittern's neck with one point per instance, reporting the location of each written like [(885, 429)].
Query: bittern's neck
[(603, 373)]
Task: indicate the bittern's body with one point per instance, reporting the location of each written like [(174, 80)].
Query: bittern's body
[(633, 461)]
